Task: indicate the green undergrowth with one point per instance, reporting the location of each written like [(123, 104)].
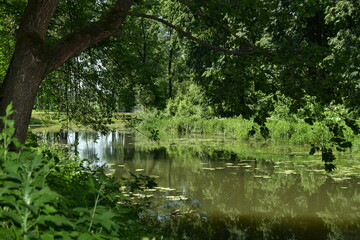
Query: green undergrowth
[(323, 129), (58, 121), (42, 120), (47, 193), (280, 131)]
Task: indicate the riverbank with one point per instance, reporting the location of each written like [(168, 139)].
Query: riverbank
[(280, 131), (55, 121)]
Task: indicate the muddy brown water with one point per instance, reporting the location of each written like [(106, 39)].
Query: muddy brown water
[(222, 189)]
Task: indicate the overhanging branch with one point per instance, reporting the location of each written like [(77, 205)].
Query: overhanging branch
[(238, 52), (88, 35)]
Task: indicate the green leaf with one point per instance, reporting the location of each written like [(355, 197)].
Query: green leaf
[(45, 195), (85, 236), (9, 200), (12, 169), (47, 236), (82, 210), (104, 218), (56, 219), (13, 216), (10, 180), (83, 219), (48, 209), (9, 131), (9, 110), (16, 142)]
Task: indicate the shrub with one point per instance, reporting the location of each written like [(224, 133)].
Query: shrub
[(190, 102), (44, 194)]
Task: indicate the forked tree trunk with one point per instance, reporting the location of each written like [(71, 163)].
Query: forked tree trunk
[(34, 59)]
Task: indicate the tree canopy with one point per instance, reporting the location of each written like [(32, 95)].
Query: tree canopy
[(107, 56)]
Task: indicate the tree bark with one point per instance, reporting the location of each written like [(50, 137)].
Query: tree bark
[(20, 87), (34, 59), (28, 64)]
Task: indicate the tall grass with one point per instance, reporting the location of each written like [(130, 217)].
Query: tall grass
[(313, 124), (281, 131)]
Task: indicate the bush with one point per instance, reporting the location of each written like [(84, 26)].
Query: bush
[(46, 195), (190, 102)]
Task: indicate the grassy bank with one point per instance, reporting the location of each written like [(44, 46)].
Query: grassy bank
[(280, 131), (54, 121)]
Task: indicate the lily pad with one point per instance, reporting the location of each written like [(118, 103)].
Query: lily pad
[(211, 169)]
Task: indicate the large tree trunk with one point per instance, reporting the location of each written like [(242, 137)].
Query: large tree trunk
[(28, 64), (34, 59), (20, 86)]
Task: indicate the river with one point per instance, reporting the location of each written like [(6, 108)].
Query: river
[(217, 188)]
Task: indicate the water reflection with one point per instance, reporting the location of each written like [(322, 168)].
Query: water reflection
[(245, 196)]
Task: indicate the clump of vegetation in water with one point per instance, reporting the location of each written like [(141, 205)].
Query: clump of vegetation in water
[(323, 129)]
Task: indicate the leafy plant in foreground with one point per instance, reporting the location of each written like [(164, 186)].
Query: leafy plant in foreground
[(26, 201), (46, 195)]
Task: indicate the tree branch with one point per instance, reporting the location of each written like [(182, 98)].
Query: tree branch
[(89, 35), (239, 52), (37, 16)]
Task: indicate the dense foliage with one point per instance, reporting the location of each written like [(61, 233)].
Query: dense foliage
[(249, 69), (46, 193), (306, 51)]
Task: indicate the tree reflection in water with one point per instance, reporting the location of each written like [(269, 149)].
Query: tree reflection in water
[(240, 191)]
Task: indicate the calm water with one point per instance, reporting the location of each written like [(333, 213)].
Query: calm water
[(213, 188)]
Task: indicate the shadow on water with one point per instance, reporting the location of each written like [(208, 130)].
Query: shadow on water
[(212, 188)]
